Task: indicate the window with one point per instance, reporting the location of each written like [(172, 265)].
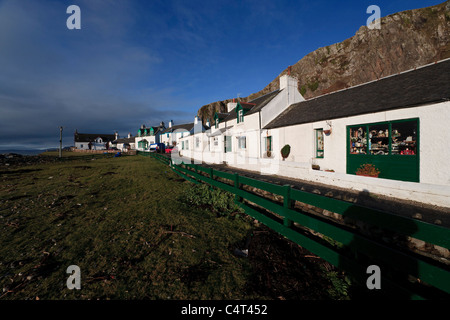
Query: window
[(386, 138), (187, 145), (216, 141), (240, 116), (404, 138), (197, 142), (242, 142), (358, 140), (182, 145), (81, 146), (268, 143), (319, 143), (379, 139), (167, 135)]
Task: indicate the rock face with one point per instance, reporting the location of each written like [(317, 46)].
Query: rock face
[(406, 40)]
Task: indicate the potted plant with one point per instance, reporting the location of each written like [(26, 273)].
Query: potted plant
[(285, 151), (269, 154), (368, 170)]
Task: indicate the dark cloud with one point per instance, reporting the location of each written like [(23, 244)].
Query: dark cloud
[(94, 79)]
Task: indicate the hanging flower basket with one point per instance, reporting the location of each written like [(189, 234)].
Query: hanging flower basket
[(327, 132), (368, 170)]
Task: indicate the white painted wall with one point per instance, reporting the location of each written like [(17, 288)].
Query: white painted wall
[(434, 186), (289, 95)]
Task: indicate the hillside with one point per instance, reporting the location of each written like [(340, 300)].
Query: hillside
[(406, 40)]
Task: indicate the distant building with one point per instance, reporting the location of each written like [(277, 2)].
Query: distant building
[(125, 144), (94, 141), (148, 135)]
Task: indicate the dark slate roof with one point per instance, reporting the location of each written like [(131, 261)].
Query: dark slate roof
[(125, 140), (156, 129), (252, 106), (185, 126), (262, 101), (90, 137), (424, 85)]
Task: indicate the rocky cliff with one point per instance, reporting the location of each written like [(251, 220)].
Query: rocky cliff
[(406, 40)]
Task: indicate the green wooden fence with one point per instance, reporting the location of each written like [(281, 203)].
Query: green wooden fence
[(354, 250)]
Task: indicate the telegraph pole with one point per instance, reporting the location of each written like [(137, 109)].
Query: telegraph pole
[(60, 141)]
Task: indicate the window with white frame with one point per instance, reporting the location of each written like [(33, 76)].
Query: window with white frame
[(197, 142), (240, 116), (242, 142)]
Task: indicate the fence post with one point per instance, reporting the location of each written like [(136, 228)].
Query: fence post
[(211, 173), (237, 198), (288, 203)]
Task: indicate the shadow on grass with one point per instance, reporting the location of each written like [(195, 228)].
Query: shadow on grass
[(19, 171)]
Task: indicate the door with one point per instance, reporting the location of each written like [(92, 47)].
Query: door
[(227, 144)]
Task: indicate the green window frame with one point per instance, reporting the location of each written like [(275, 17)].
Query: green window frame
[(393, 147), (268, 143), (320, 145)]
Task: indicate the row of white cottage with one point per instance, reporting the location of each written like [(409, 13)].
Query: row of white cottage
[(399, 125)]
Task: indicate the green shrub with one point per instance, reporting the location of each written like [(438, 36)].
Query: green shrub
[(218, 201), (285, 151)]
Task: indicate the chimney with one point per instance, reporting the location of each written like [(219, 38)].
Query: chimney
[(208, 124), (170, 123), (289, 84), (129, 134), (196, 120), (116, 135)]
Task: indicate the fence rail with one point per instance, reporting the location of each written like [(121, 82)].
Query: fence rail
[(355, 250)]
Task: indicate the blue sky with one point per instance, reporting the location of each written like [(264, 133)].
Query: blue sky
[(139, 62)]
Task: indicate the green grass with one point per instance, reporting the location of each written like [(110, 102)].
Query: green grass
[(121, 221), (137, 231)]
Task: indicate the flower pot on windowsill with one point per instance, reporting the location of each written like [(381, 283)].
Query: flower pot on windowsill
[(368, 170), (367, 175)]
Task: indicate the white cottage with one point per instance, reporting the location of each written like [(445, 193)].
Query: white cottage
[(235, 136), (397, 127), (148, 135), (192, 145), (174, 133), (93, 141)]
